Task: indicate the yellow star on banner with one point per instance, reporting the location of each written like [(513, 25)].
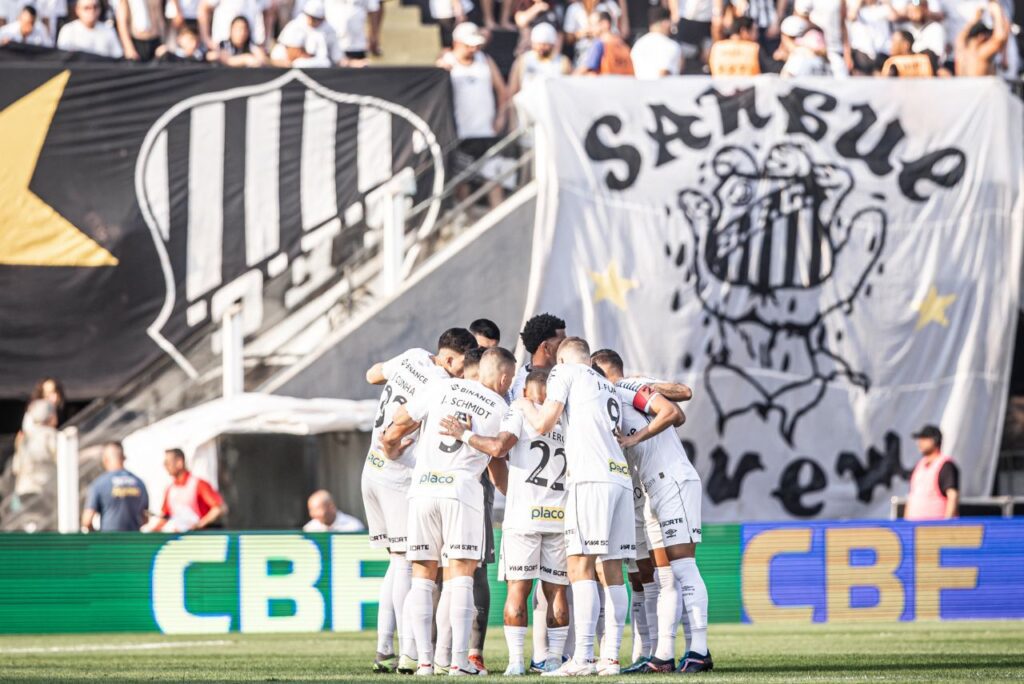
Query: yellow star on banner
[(612, 286), (32, 233), (933, 309)]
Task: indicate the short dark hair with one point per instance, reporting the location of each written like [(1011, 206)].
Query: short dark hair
[(176, 452), (657, 14), (979, 29), (112, 444), (540, 328), (608, 357), (472, 357), (31, 10), (740, 24), (458, 340), (606, 16), (905, 35), (485, 327), (537, 375)]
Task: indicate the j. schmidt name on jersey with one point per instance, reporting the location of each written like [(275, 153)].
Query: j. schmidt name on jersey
[(547, 513), (435, 478), (470, 405)]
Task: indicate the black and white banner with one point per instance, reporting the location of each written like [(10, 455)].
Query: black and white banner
[(829, 264), (137, 204)]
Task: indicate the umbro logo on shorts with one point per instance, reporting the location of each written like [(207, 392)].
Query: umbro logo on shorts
[(617, 468), (375, 460), (547, 513), (435, 478), (670, 533)]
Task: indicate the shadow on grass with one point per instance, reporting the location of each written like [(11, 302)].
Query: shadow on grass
[(945, 664)]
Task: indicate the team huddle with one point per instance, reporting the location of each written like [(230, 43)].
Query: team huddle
[(594, 476)]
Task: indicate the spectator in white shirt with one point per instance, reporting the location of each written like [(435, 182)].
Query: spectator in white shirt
[(929, 35), (140, 25), (356, 24), (182, 13), (87, 34), (655, 54), (325, 516), (239, 50), (320, 40), (215, 17), (869, 28), (540, 61), (299, 47), (27, 30)]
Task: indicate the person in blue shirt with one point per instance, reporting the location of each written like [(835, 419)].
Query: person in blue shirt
[(117, 496)]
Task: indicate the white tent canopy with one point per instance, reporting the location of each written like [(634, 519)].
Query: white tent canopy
[(196, 430)]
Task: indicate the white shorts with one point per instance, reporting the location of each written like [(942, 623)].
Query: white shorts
[(533, 555), (387, 514), (442, 529), (599, 521), (673, 513)]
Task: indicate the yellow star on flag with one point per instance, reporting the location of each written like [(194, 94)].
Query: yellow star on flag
[(610, 285), (32, 233), (933, 309)]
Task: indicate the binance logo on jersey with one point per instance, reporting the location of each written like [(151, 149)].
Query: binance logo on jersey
[(433, 478), (547, 513), (618, 468), (375, 459)]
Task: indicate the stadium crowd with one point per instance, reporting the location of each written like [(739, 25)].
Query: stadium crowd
[(647, 38)]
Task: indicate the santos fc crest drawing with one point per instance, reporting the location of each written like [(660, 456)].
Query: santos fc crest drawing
[(777, 255)]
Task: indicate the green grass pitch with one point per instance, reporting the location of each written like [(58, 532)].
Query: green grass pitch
[(922, 652)]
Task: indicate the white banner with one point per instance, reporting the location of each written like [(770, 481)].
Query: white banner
[(829, 264)]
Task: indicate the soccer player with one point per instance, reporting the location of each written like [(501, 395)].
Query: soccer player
[(446, 506), (672, 512), (541, 336), (533, 539), (598, 515), (385, 482), (486, 332)]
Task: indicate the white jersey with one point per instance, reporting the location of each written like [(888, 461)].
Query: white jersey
[(406, 375), (535, 501), (661, 457), (518, 387), (447, 468), (592, 416)]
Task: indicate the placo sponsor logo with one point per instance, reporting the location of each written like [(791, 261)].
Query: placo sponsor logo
[(617, 468), (375, 460), (547, 513), (437, 478)]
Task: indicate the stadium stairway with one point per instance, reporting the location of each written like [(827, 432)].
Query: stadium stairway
[(473, 263)]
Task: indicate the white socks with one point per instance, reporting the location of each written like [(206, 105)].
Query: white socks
[(386, 619), (586, 596), (641, 633), (400, 572), (668, 613), (651, 614), (419, 608), (695, 602), (443, 648), (540, 625), (616, 605), (515, 637), (556, 643), (463, 610)]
